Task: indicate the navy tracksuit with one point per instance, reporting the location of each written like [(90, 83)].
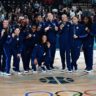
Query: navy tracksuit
[(29, 44), (41, 26), (77, 43), (2, 56), (24, 33), (88, 44), (12, 46), (52, 36), (3, 37), (65, 39), (42, 53)]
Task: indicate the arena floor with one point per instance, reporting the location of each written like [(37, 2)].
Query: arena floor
[(55, 83)]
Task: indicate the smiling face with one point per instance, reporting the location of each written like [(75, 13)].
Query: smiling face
[(34, 28), (39, 18), (44, 39), (17, 31), (75, 20), (5, 24), (86, 20), (50, 16), (64, 18)]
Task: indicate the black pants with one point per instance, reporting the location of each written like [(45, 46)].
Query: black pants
[(26, 57), (2, 60), (88, 45)]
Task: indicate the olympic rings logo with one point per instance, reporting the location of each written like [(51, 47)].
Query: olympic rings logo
[(59, 93), (39, 93), (90, 92)]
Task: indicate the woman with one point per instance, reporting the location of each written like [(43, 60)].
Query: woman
[(88, 43), (78, 35), (41, 55), (13, 46)]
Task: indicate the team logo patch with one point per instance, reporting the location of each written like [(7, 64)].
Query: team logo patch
[(17, 39), (9, 36), (77, 27), (68, 25), (34, 35)]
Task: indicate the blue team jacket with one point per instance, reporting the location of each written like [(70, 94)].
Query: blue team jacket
[(3, 38), (65, 35), (40, 51), (13, 44), (51, 33), (78, 30), (30, 42)]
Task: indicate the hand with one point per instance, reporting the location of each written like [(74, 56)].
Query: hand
[(35, 61), (61, 26), (3, 30), (18, 55), (29, 36), (48, 44), (2, 33), (87, 29), (47, 28), (75, 36), (43, 63), (13, 35), (56, 28)]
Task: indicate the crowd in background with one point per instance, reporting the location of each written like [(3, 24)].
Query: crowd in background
[(29, 31), (29, 8)]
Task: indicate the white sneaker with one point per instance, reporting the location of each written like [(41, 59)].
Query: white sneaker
[(26, 71), (89, 71), (69, 71), (7, 74), (4, 73), (43, 71), (19, 73), (63, 70), (35, 72), (1, 73), (75, 71)]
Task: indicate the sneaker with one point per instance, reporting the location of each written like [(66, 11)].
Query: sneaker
[(51, 67), (75, 71), (89, 71), (35, 72), (43, 68), (85, 70), (69, 71), (43, 71), (19, 73), (48, 69), (7, 74), (1, 73), (26, 71), (62, 70)]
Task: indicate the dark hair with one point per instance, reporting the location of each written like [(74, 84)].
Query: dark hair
[(89, 23), (89, 19), (16, 27), (42, 36)]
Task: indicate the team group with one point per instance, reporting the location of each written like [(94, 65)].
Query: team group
[(35, 41)]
